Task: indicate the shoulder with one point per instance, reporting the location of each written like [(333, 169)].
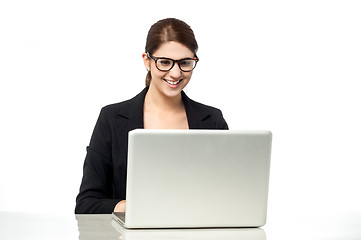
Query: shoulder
[(205, 108), (115, 108), (128, 108)]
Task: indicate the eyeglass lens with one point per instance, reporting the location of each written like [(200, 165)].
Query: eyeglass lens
[(167, 64)]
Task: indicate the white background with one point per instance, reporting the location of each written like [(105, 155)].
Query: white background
[(292, 67)]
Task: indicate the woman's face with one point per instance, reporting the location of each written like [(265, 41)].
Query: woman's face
[(172, 82)]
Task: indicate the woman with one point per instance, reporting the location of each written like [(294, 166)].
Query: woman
[(170, 57)]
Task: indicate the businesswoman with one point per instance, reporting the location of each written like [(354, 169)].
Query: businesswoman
[(170, 58)]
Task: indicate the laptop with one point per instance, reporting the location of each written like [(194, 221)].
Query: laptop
[(196, 179)]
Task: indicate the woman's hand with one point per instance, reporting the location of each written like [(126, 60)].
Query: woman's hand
[(120, 207)]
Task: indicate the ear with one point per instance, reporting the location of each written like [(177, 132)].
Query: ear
[(146, 61)]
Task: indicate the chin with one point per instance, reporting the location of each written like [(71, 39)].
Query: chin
[(171, 93)]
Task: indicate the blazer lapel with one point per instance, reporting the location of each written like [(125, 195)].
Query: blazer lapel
[(196, 115), (133, 112)]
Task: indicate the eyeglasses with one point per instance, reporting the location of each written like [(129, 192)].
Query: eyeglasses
[(166, 64)]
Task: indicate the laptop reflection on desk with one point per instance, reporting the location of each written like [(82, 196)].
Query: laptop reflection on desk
[(197, 179), (191, 234)]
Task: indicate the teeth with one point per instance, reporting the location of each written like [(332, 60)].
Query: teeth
[(173, 83)]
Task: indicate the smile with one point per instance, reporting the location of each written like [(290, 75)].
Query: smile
[(172, 82)]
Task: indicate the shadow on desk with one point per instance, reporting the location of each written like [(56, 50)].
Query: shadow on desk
[(104, 227)]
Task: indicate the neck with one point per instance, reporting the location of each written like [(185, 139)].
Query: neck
[(156, 99)]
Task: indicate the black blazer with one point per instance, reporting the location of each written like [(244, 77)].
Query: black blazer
[(105, 167)]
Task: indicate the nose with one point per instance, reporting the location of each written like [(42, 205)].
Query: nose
[(175, 72)]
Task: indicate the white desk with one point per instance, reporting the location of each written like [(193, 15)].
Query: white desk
[(86, 227)]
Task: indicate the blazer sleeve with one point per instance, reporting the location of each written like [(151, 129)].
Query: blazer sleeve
[(96, 190), (221, 122)]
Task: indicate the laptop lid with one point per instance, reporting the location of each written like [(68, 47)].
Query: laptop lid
[(197, 178)]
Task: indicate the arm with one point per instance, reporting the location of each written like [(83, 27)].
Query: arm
[(96, 190)]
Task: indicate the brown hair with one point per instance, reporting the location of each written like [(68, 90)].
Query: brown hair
[(167, 30)]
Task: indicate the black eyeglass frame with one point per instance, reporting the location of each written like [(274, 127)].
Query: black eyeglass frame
[(174, 62)]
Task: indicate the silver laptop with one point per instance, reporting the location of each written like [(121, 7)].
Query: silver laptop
[(197, 179)]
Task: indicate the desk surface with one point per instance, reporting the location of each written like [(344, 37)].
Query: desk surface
[(39, 226)]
